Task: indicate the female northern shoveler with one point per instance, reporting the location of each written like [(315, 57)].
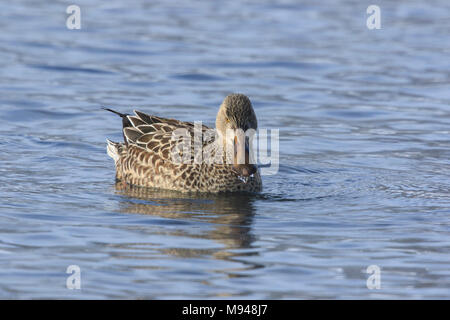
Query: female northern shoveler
[(146, 158)]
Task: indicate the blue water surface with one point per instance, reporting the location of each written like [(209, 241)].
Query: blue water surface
[(364, 177)]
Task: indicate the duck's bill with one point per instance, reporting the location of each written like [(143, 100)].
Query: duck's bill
[(242, 165), (245, 179)]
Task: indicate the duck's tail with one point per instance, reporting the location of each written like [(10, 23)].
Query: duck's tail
[(114, 111), (113, 150), (125, 121)]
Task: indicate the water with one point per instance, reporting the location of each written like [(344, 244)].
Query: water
[(364, 122)]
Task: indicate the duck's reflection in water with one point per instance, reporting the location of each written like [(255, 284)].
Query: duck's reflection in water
[(230, 216)]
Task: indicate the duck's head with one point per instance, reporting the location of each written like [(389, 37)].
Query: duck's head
[(235, 121)]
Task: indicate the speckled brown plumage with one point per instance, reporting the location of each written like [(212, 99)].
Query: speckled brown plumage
[(145, 157)]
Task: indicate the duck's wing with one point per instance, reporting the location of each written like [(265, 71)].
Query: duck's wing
[(162, 136)]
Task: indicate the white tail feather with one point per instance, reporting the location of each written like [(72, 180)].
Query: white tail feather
[(112, 151)]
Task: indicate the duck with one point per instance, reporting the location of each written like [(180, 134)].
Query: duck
[(170, 154)]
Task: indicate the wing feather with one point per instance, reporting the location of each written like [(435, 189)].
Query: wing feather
[(155, 135)]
